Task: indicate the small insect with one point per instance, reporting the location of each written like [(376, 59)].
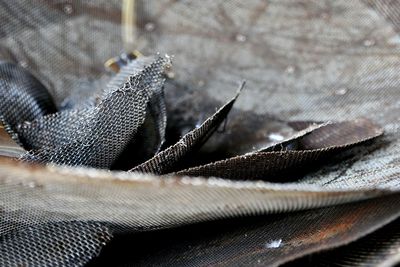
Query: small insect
[(116, 63)]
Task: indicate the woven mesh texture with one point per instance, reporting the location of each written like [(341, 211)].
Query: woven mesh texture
[(23, 98), (303, 62), (380, 248), (297, 153), (261, 241), (168, 159), (96, 136), (56, 244)]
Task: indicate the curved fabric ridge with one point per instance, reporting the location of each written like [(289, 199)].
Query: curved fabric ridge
[(93, 136), (54, 244), (8, 146), (168, 159), (314, 146), (256, 241), (132, 67), (151, 134), (23, 98), (290, 143), (40, 194), (380, 248)]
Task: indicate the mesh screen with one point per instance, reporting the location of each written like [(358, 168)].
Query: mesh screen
[(316, 127), (96, 136), (376, 249)]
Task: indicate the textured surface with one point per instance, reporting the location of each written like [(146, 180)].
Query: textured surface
[(97, 135), (23, 98), (133, 202), (169, 159), (302, 60), (257, 241), (55, 244), (380, 248), (281, 160), (308, 60)]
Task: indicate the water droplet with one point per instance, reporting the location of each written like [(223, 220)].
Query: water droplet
[(68, 9), (290, 69), (240, 38), (274, 244), (149, 26), (340, 91), (369, 42), (275, 137)]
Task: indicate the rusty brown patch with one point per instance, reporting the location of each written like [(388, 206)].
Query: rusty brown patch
[(328, 231)]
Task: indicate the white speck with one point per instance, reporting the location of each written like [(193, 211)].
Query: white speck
[(166, 56), (258, 261), (68, 9), (340, 91), (31, 184), (325, 15), (201, 83), (290, 69), (182, 143), (240, 38), (149, 26), (23, 64), (170, 74), (369, 42), (275, 137), (274, 244)]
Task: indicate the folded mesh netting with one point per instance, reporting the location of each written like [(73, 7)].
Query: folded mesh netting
[(314, 136), (95, 136)]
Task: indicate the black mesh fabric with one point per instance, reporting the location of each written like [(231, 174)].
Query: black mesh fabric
[(23, 98), (170, 158), (311, 148), (322, 82), (151, 134), (380, 248), (55, 244), (261, 241), (96, 136)]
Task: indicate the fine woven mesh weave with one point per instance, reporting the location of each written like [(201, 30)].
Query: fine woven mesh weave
[(376, 249), (167, 160), (23, 98), (313, 147), (73, 244), (95, 136), (303, 61)]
